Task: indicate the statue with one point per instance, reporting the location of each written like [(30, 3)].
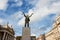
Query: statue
[(27, 19)]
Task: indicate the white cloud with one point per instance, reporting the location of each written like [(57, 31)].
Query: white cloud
[(33, 34), (36, 16), (1, 20), (18, 34), (33, 2), (21, 22), (55, 7), (15, 0), (41, 10), (19, 3), (3, 4), (17, 15)]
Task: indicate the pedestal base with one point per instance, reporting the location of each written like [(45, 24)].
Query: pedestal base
[(26, 33)]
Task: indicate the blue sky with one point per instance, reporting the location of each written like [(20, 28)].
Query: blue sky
[(45, 12)]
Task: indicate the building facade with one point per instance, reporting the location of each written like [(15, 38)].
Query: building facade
[(54, 34), (6, 33), (41, 37)]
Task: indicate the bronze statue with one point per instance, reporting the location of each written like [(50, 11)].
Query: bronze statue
[(27, 19)]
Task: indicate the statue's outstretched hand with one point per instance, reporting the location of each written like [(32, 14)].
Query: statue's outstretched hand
[(31, 14), (24, 14)]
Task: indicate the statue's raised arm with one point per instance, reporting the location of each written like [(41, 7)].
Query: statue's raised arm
[(31, 15), (24, 14)]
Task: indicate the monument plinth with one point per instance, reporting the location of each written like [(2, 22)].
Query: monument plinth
[(26, 33)]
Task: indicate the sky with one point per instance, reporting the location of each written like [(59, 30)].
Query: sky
[(44, 14)]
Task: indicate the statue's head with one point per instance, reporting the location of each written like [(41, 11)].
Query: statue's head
[(27, 15)]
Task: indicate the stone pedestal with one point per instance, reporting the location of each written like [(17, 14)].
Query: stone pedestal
[(26, 33)]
